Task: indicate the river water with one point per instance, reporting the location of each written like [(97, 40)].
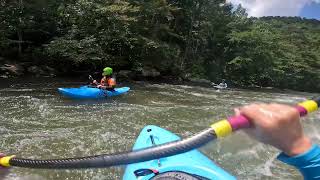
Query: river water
[(36, 122)]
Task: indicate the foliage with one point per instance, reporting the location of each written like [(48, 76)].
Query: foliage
[(202, 38)]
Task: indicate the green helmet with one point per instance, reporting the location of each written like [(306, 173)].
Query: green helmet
[(107, 71)]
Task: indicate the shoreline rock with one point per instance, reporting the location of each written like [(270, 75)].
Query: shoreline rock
[(12, 69), (25, 69)]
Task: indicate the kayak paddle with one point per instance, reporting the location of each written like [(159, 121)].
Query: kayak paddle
[(220, 129)]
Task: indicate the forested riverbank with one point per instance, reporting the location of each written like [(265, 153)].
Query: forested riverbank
[(181, 40)]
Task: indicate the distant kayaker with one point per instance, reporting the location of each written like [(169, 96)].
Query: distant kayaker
[(279, 126), (222, 85), (107, 82)]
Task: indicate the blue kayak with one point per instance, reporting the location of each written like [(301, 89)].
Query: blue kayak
[(86, 92), (189, 164)]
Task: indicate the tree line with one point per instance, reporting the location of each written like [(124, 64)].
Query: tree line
[(207, 39)]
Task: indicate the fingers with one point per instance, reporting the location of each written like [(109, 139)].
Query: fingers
[(285, 109), (253, 110), (277, 125), (259, 115), (265, 115), (237, 111)]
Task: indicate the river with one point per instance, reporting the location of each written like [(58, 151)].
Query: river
[(36, 122)]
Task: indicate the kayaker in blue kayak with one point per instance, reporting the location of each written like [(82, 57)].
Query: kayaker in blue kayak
[(107, 82)]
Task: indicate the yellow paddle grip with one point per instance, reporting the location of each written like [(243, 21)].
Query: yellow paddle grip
[(4, 161), (222, 128), (309, 105)]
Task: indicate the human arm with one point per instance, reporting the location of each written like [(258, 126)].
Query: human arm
[(95, 82), (279, 126), (308, 163)]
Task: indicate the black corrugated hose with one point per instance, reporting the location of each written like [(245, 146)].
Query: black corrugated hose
[(107, 160)]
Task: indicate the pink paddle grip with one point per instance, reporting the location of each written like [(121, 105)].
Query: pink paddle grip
[(240, 122), (302, 111)]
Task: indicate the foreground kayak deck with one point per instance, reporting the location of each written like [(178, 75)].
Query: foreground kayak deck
[(192, 162), (86, 92)]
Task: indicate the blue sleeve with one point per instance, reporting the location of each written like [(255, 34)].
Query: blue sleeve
[(307, 163)]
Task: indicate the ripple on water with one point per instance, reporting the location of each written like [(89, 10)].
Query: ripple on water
[(39, 123)]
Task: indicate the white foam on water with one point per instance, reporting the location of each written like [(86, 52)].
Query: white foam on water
[(161, 103), (249, 152), (2, 99), (314, 133), (265, 169), (211, 96), (170, 94), (12, 176), (16, 90), (49, 126), (40, 105), (23, 96), (184, 86)]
